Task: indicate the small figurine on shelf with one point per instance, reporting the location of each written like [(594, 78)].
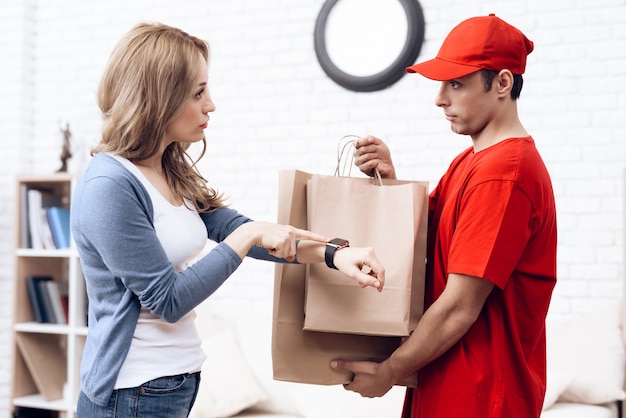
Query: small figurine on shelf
[(66, 153)]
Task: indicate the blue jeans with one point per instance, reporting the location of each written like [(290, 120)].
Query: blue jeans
[(165, 397)]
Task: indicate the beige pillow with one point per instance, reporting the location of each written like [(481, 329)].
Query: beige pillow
[(227, 386)]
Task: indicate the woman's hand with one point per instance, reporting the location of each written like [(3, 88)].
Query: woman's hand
[(279, 240), (361, 264), (372, 153)]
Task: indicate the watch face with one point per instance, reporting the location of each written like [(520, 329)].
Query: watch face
[(339, 242)]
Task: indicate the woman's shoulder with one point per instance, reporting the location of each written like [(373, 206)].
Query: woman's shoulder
[(105, 174), (104, 165)]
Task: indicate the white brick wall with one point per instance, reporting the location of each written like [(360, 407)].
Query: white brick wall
[(277, 109), (17, 98)]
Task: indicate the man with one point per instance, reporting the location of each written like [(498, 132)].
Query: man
[(479, 348)]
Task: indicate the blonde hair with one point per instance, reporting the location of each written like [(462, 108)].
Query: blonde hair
[(148, 79)]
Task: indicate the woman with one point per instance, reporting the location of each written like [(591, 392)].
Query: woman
[(141, 212)]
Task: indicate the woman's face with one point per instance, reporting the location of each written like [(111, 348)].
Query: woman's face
[(189, 125)]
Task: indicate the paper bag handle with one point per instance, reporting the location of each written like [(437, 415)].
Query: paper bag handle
[(345, 158)]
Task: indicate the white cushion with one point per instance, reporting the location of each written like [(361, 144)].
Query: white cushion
[(590, 348), (254, 333), (556, 385), (578, 410), (304, 400), (253, 413), (227, 385), (315, 401)]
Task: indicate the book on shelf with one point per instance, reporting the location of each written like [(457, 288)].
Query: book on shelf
[(58, 218), (49, 299), (34, 218), (56, 307), (36, 296), (25, 238), (64, 290), (38, 233), (46, 232)]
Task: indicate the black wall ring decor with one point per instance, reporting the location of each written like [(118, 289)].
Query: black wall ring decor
[(381, 79)]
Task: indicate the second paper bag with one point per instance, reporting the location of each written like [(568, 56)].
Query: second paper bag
[(391, 218)]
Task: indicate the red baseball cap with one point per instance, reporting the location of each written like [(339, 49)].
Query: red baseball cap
[(485, 42)]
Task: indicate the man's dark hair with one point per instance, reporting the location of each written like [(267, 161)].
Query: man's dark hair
[(518, 82)]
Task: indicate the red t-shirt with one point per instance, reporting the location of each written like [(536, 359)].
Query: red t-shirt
[(492, 215)]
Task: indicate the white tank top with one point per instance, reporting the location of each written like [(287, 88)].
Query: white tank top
[(160, 348)]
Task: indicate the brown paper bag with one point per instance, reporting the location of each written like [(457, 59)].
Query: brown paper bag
[(391, 217), (305, 356)]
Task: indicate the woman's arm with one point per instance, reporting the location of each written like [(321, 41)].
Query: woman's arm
[(274, 242)]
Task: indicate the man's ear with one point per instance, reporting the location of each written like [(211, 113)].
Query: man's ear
[(504, 83)]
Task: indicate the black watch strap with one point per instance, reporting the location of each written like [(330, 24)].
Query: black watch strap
[(331, 247)]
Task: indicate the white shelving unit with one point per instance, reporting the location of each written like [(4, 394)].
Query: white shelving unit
[(46, 356)]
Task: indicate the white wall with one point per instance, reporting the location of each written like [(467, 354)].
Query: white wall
[(277, 109), (17, 48)]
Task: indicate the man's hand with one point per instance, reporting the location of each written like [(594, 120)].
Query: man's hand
[(371, 379), (371, 153)]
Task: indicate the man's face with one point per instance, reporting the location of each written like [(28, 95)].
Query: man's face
[(466, 104)]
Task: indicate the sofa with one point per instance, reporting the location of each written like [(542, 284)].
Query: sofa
[(585, 373)]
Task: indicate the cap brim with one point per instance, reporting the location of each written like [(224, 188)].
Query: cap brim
[(442, 70)]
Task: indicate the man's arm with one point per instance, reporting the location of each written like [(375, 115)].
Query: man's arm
[(441, 326)]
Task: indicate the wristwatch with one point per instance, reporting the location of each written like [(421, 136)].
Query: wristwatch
[(331, 247)]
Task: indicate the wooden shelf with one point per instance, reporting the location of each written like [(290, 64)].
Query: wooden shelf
[(29, 252), (46, 356), (38, 328), (38, 402)]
